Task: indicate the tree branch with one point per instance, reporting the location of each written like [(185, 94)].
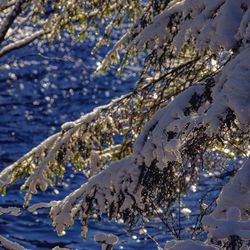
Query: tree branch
[(21, 43), (7, 4), (10, 19), (21, 22)]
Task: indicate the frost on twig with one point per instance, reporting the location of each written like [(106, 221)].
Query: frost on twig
[(60, 248), (9, 245), (76, 17), (10, 210), (188, 245), (40, 205), (229, 221), (107, 240), (231, 226), (235, 194)]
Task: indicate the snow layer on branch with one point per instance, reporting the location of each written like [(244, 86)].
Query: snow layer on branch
[(106, 188), (10, 210), (206, 24), (232, 225), (41, 158), (109, 239), (231, 92), (236, 193), (37, 206), (154, 142), (188, 245), (9, 245), (60, 248), (203, 106)]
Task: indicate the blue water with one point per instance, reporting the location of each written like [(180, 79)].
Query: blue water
[(41, 87)]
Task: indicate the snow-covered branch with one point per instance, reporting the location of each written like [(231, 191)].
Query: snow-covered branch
[(10, 19), (10, 210), (235, 194), (196, 102), (81, 142), (9, 245), (202, 25), (5, 4), (21, 43), (176, 134)]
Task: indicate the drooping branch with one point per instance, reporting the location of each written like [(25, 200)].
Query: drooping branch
[(235, 194), (9, 245), (184, 25), (119, 190), (10, 19), (165, 157), (21, 43), (194, 118), (84, 146), (7, 4), (10, 210)]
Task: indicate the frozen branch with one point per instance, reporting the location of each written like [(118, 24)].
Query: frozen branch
[(192, 122), (196, 104), (10, 210), (5, 4), (236, 193), (10, 19), (9, 245), (21, 43)]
